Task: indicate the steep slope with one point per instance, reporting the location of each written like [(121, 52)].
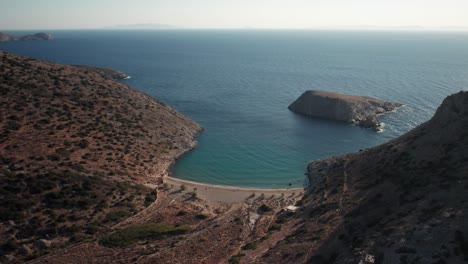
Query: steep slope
[(76, 150), (402, 202)]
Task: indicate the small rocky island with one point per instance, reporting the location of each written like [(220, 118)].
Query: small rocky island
[(361, 110), (38, 36)]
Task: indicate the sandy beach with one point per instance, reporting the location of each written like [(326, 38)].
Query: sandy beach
[(218, 193)]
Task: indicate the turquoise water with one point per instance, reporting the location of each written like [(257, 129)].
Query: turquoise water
[(238, 85)]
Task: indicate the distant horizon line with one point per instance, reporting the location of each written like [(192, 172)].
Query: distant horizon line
[(344, 28)]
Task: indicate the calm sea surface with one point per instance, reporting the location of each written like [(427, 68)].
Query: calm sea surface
[(238, 85)]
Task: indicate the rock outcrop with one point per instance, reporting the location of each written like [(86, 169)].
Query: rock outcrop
[(361, 110), (38, 36), (401, 202)]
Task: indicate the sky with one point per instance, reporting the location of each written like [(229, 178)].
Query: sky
[(271, 14)]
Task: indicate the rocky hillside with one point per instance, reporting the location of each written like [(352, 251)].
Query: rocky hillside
[(76, 151), (37, 36), (361, 110), (6, 37), (402, 202)]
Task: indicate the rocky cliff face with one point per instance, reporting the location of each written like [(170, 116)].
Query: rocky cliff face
[(402, 202), (37, 36), (361, 110)]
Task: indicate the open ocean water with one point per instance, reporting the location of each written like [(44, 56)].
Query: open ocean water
[(238, 85)]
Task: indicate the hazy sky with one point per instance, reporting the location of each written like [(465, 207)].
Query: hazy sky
[(84, 14)]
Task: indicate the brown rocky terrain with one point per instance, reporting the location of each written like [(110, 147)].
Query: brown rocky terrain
[(361, 110), (76, 150), (401, 202)]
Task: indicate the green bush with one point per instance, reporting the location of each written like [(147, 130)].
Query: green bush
[(149, 199), (251, 245), (235, 259), (92, 229), (53, 157), (117, 215), (137, 232), (63, 152), (275, 226), (201, 216), (265, 208)]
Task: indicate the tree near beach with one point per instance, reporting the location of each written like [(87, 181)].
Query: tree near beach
[(194, 193)]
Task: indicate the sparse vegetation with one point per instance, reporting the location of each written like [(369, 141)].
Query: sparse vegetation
[(264, 208), (275, 227), (235, 259), (116, 216), (201, 216), (86, 141), (149, 199), (138, 232), (251, 245)]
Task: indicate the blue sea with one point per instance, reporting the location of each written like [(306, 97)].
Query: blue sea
[(238, 85)]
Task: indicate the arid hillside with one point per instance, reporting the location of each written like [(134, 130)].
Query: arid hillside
[(76, 151), (405, 201), (79, 151)]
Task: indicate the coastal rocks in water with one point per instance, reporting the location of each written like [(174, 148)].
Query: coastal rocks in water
[(38, 36), (361, 110)]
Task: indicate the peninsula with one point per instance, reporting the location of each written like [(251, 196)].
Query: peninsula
[(360, 110), (38, 36)]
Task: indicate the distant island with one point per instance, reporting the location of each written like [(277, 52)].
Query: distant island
[(38, 36), (360, 110)]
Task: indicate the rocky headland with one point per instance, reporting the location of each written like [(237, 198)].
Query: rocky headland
[(360, 110), (38, 36), (401, 202)]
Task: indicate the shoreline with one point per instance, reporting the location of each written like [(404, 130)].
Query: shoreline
[(230, 194), (221, 193)]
